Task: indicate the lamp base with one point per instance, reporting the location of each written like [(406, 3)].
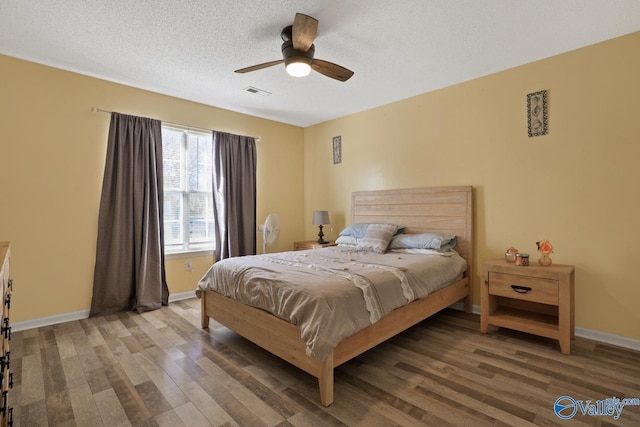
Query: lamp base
[(320, 236)]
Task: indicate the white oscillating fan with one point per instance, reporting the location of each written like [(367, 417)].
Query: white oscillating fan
[(270, 230)]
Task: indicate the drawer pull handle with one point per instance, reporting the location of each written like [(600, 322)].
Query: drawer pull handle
[(5, 402), (521, 289)]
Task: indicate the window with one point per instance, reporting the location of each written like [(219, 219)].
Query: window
[(188, 199)]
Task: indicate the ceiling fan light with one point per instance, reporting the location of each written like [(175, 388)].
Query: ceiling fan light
[(298, 69)]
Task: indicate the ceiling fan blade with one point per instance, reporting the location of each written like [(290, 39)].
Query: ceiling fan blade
[(332, 70), (260, 66), (304, 32)]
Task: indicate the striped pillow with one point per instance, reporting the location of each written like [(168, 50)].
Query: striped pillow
[(377, 238)]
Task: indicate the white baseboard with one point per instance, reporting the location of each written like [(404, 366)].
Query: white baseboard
[(49, 320), (181, 296), (76, 315), (606, 338), (589, 334)]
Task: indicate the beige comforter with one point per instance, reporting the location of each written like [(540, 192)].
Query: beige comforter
[(334, 292)]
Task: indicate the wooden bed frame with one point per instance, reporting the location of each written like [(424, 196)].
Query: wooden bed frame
[(439, 209)]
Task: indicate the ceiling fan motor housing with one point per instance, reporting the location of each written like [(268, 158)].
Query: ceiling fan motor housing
[(291, 54)]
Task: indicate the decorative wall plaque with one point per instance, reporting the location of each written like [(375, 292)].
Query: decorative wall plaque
[(337, 149), (537, 113)]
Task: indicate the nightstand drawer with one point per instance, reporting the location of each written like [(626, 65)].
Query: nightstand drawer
[(525, 288)]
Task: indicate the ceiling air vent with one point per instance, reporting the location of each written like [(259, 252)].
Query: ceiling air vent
[(257, 91)]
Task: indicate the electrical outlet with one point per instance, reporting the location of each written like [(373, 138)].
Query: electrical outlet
[(187, 265)]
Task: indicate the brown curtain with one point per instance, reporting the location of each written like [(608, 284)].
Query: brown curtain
[(234, 194), (129, 272)]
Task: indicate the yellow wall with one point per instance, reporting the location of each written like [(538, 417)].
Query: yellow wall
[(577, 186), (52, 153)]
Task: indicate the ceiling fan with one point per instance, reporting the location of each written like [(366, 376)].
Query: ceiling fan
[(298, 50)]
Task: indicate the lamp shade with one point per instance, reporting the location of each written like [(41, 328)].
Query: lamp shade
[(321, 217)]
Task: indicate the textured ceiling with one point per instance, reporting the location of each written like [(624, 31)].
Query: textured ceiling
[(190, 48)]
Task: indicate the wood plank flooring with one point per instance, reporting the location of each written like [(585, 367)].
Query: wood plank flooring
[(161, 369)]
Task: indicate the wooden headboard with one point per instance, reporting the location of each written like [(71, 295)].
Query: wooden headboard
[(436, 209)]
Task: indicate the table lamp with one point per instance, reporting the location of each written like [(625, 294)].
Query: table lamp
[(321, 218)]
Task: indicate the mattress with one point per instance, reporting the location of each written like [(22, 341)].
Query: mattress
[(333, 292)]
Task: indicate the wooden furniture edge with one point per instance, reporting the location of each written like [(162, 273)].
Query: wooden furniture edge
[(399, 320)]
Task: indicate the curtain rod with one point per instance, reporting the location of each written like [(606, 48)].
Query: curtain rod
[(187, 127)]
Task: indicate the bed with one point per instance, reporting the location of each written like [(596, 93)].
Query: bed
[(419, 210)]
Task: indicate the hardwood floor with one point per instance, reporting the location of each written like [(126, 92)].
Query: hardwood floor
[(161, 369)]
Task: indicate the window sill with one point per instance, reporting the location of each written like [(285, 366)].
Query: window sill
[(189, 254)]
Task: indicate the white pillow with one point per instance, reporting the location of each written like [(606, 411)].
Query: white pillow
[(347, 241)]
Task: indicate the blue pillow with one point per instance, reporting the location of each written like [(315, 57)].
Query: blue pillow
[(423, 241), (358, 230)]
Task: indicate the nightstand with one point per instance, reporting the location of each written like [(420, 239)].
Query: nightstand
[(533, 299), (311, 244)]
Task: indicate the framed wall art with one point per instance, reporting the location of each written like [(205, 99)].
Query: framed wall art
[(537, 114), (337, 150)]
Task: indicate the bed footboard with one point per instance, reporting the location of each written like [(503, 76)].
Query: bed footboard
[(283, 339), (271, 333)]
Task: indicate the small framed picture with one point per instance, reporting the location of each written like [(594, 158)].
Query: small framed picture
[(537, 113), (337, 150)]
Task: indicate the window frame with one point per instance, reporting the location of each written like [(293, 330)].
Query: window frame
[(186, 247)]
